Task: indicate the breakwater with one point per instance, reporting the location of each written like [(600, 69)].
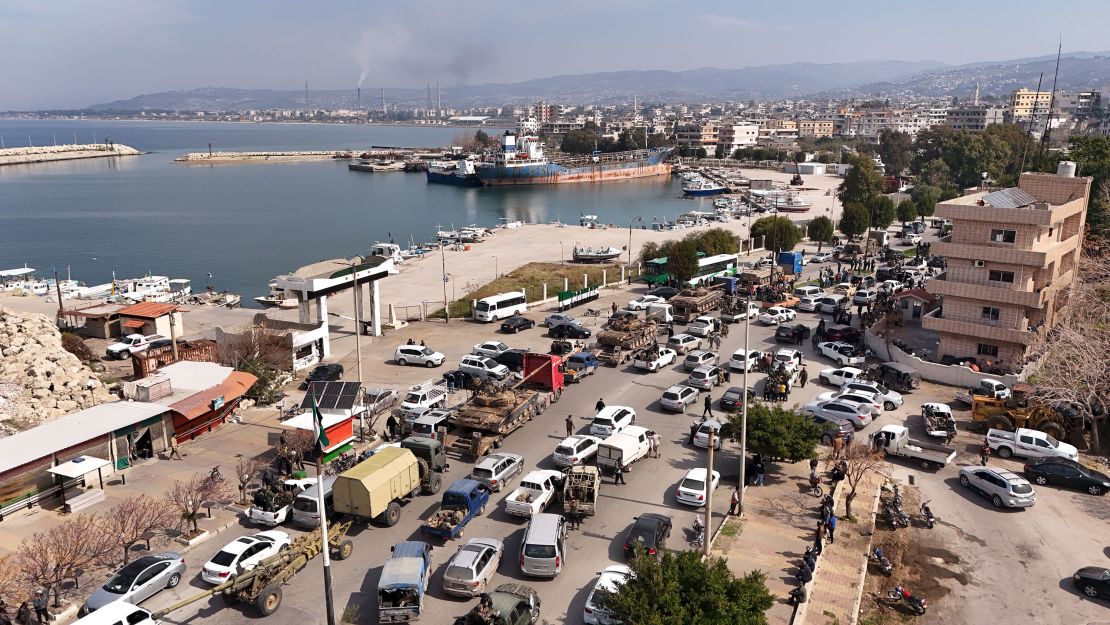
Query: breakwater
[(48, 153), (309, 155)]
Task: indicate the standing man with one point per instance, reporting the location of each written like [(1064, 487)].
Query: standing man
[(618, 474), (803, 377), (984, 453), (391, 427), (600, 405), (838, 444), (759, 471), (831, 526), (570, 425), (708, 409), (39, 602), (657, 443), (734, 502), (174, 451), (572, 515), (693, 431)]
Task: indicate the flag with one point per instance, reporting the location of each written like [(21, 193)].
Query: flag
[(318, 425)]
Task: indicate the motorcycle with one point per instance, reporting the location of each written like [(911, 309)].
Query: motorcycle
[(894, 517), (916, 603), (927, 515), (903, 518), (879, 558)]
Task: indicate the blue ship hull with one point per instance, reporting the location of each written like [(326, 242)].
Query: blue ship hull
[(553, 173), (436, 177), (704, 192)]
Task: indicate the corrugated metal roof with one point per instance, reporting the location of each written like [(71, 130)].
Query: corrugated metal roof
[(149, 310), (1012, 197), (236, 384), (73, 429)]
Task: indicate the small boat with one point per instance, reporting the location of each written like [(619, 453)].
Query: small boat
[(277, 298), (722, 202), (790, 203), (455, 173), (588, 221), (215, 298), (592, 255), (701, 187)]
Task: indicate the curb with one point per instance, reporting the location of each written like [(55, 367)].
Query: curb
[(876, 498)]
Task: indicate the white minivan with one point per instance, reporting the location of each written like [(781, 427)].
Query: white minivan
[(543, 552), (501, 306), (808, 291)]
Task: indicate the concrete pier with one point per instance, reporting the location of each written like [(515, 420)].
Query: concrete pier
[(47, 153)]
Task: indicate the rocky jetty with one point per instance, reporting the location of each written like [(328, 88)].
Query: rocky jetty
[(39, 379), (47, 153)]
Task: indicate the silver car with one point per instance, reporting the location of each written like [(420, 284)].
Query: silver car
[(555, 319), (138, 580), (469, 571), (1004, 488), (495, 470), (677, 397)]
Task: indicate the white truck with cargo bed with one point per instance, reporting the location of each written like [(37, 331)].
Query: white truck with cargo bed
[(536, 492), (894, 440)]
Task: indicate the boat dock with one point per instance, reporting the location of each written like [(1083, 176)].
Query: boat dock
[(49, 153), (375, 152)]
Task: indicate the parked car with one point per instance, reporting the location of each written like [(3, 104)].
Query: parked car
[(512, 358), (829, 303), (841, 334), (243, 554), (495, 470), (649, 531), (1094, 581), (692, 490), (593, 613), (699, 357), (1064, 472), (791, 359), (683, 343), (705, 377), (832, 425), (641, 303), (131, 344), (870, 401), (839, 377), (820, 257), (776, 315), (701, 435), (416, 355), (512, 325), (569, 331), (744, 361), (555, 319), (1004, 488), (843, 354), (138, 580), (891, 399), (731, 400), (857, 414), (574, 450), (469, 571), (491, 349), (612, 419), (677, 397), (703, 326), (323, 373), (890, 286), (864, 297), (666, 292), (482, 367), (580, 365), (429, 424), (794, 333)]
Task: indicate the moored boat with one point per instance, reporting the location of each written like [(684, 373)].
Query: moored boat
[(521, 161), (595, 255), (699, 187)]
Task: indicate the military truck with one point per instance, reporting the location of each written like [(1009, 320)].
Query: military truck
[(581, 488), (623, 338), (462, 501), (404, 582), (508, 604), (690, 303), (491, 414), (374, 488)]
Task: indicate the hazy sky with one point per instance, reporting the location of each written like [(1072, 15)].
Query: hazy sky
[(70, 53)]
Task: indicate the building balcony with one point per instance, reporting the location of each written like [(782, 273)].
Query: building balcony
[(940, 285), (981, 329), (1000, 254)]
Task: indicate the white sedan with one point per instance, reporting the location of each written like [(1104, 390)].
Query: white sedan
[(821, 257), (691, 490), (641, 303), (776, 315), (744, 362), (243, 554), (493, 349), (593, 613), (843, 353), (871, 401), (856, 414)]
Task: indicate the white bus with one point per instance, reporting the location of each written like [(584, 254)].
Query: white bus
[(501, 306), (711, 267)]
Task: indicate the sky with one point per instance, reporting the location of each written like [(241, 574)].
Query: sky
[(72, 53)]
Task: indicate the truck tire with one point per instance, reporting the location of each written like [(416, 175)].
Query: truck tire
[(1000, 422), (269, 600), (1005, 452), (344, 550), (391, 515), (1055, 429), (433, 484)]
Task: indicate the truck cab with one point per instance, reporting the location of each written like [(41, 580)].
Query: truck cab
[(403, 583), (537, 490), (430, 451), (1026, 443), (462, 501), (580, 365)]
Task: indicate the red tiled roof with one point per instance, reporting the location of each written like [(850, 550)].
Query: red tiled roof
[(920, 294), (134, 323), (148, 310), (236, 384)]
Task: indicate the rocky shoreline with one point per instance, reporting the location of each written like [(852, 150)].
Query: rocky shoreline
[(48, 153)]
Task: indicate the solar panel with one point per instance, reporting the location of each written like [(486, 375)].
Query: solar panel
[(332, 395), (1009, 198)]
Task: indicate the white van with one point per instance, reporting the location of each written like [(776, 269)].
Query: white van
[(623, 448), (808, 291), (543, 552), (306, 507), (830, 303), (119, 613), (501, 306)]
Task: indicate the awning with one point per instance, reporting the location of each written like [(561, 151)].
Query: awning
[(134, 323), (78, 467), (197, 404), (11, 273)]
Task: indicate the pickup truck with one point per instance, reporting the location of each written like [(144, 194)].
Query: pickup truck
[(653, 361), (580, 365), (462, 501), (536, 492), (581, 488), (703, 326), (894, 440), (938, 420), (131, 344), (403, 582), (623, 448), (986, 388), (427, 394), (508, 604), (1026, 443), (271, 509)]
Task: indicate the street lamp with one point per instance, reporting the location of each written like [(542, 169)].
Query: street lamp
[(630, 222), (495, 267)]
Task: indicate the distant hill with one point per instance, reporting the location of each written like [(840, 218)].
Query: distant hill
[(707, 83)]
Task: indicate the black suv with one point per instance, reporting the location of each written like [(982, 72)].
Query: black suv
[(512, 358), (323, 373), (795, 334), (569, 331), (650, 531), (515, 324)]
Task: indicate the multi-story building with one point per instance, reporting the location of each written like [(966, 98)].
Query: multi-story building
[(734, 136), (697, 135), (1010, 255), (817, 128), (974, 118), (527, 126), (1024, 101), (1080, 104)]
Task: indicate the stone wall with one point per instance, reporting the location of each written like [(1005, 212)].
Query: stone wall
[(39, 379)]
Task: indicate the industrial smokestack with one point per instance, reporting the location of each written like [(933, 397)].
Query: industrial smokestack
[(358, 107), (439, 102), (383, 101)]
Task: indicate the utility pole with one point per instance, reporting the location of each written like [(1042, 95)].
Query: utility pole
[(709, 492), (173, 330), (325, 548), (630, 222), (358, 321), (58, 288), (446, 302), (744, 413)]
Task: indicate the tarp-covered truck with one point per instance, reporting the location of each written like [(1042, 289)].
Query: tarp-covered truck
[(374, 488), (403, 583)]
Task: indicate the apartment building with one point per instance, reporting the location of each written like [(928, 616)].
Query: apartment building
[(735, 136), (974, 118), (1011, 254), (1024, 101), (696, 135), (817, 128)]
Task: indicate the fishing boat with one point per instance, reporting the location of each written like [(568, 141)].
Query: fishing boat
[(277, 298), (699, 187), (215, 298), (589, 221), (595, 255), (790, 203)]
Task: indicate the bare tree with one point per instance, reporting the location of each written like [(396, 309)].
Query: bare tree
[(49, 558), (245, 471), (132, 519), (12, 584), (857, 462), (187, 498)]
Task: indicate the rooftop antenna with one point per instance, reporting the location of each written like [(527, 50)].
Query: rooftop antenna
[(1029, 132), (1052, 98)]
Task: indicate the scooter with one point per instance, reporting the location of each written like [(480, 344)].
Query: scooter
[(879, 558), (895, 517), (927, 515), (916, 603), (900, 514)]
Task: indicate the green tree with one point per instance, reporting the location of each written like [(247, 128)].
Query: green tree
[(907, 211), (896, 150), (682, 260), (714, 241), (820, 229), (778, 432), (701, 153), (1092, 154), (779, 233), (925, 198), (855, 219), (883, 211), (681, 588), (649, 251), (862, 181)]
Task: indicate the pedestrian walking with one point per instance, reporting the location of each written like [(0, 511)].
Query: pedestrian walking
[(570, 425), (600, 405), (657, 444), (618, 474), (708, 409), (39, 602), (984, 453), (803, 377), (693, 431), (614, 308), (724, 331), (670, 330), (174, 451), (831, 527), (734, 502), (759, 472), (819, 541), (838, 444), (391, 427)]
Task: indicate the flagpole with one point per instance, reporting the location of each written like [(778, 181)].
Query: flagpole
[(321, 439)]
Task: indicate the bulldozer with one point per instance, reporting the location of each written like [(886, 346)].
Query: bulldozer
[(1020, 410)]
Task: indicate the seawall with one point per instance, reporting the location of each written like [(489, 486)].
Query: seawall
[(47, 153)]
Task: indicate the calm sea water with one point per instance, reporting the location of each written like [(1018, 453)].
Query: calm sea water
[(246, 223)]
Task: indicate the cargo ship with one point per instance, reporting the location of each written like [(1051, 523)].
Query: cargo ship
[(458, 173), (525, 163)]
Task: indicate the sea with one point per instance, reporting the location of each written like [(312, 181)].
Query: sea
[(236, 226)]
